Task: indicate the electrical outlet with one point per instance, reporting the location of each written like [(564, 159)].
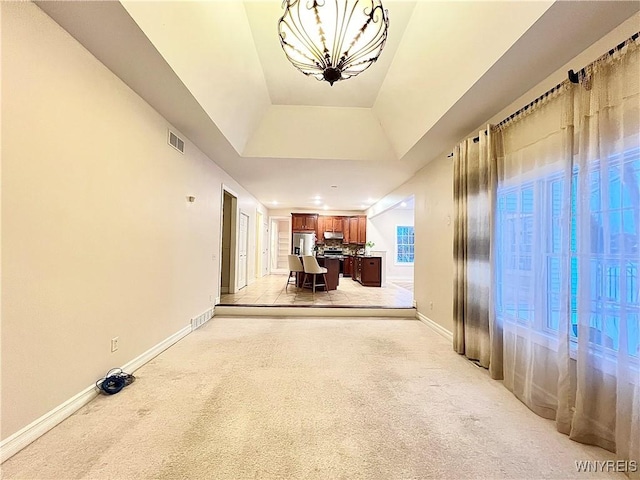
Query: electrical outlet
[(114, 343)]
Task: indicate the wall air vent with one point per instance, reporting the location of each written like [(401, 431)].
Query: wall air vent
[(176, 142)]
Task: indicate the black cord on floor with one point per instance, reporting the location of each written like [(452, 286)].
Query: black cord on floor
[(114, 381)]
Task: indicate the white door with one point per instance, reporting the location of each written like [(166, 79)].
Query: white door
[(243, 244), (265, 249)]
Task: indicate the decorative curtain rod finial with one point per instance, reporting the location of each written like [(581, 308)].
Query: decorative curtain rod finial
[(573, 77)]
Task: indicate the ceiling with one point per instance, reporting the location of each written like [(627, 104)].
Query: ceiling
[(216, 71)]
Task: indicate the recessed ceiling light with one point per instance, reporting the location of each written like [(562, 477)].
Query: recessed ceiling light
[(275, 202), (334, 186)]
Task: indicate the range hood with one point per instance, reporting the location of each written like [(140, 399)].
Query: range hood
[(333, 236)]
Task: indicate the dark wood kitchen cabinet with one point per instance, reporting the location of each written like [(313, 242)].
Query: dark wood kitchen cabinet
[(357, 230), (353, 229), (304, 222), (336, 224), (357, 269), (347, 269), (330, 224), (367, 271), (320, 229), (362, 230)]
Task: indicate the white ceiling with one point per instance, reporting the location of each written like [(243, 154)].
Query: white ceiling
[(216, 71)]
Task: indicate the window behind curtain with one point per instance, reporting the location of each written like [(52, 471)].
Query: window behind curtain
[(404, 244), (528, 236)]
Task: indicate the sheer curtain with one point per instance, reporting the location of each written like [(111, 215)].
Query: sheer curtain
[(567, 256), (532, 243), (606, 312)]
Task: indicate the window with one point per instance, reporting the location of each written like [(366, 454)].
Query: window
[(404, 245), (599, 258)]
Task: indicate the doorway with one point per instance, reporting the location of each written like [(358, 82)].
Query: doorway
[(280, 244), (265, 248), (262, 246), (229, 242), (259, 240), (243, 246)]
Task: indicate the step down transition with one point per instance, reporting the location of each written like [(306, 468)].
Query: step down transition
[(312, 311)]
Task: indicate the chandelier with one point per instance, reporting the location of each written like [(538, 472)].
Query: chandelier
[(333, 40)]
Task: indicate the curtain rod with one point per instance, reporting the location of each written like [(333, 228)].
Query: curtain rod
[(572, 77)]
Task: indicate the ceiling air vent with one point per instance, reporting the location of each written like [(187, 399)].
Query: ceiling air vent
[(176, 142)]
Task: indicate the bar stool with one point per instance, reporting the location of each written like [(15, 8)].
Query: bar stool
[(311, 267), (295, 267)]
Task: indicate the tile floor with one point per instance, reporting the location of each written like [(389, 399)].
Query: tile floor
[(270, 290)]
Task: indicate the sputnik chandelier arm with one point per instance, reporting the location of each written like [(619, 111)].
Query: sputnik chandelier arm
[(333, 40)]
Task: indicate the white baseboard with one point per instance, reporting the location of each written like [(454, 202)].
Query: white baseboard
[(153, 352), (435, 326), (16, 442)]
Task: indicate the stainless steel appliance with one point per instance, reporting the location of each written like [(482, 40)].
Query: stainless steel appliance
[(333, 253), (303, 243), (333, 236)]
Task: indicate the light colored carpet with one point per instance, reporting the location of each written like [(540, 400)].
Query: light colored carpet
[(306, 399)]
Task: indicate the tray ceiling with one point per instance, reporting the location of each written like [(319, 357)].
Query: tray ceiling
[(215, 70)]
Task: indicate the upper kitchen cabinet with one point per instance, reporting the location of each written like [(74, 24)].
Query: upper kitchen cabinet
[(358, 230), (320, 229), (345, 231), (333, 224), (353, 229), (304, 222), (362, 230)]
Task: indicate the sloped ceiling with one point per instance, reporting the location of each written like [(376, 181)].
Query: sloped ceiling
[(216, 71)]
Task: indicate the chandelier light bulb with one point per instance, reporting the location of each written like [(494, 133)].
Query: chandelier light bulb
[(333, 40)]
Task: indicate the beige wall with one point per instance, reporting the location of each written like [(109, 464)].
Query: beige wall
[(433, 190), (98, 239), (381, 230)]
